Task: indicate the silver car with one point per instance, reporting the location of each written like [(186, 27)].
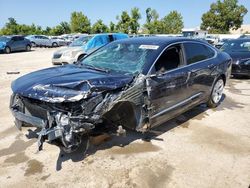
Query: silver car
[(60, 41), (42, 41)]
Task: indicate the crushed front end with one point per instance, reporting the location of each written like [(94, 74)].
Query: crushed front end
[(66, 121)]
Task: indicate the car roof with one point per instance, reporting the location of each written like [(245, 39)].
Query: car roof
[(157, 40)]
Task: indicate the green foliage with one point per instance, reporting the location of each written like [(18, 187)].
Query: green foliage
[(223, 16), (123, 24), (152, 25), (13, 28), (80, 23), (112, 27), (134, 20), (63, 28), (99, 27), (172, 23)]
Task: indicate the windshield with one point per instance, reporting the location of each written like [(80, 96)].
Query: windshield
[(81, 41), (121, 57), (236, 46), (4, 39)]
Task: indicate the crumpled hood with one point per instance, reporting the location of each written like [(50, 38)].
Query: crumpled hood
[(67, 83)]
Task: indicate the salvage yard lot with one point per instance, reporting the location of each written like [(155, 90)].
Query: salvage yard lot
[(201, 148)]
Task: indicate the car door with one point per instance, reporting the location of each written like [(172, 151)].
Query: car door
[(21, 43), (43, 41), (201, 63), (167, 85), (38, 40), (47, 41), (13, 43)]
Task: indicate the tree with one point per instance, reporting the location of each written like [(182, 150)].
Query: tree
[(99, 27), (11, 27), (123, 24), (134, 21), (80, 23), (223, 16), (112, 27), (172, 23), (152, 25), (66, 27)]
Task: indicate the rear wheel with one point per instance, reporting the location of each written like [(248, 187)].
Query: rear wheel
[(216, 94), (54, 44), (7, 50), (28, 48)]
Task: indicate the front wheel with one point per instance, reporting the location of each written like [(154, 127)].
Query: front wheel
[(7, 50), (216, 94)]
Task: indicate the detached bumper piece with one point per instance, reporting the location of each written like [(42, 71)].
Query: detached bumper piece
[(35, 121), (54, 125)]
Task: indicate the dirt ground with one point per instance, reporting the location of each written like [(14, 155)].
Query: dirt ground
[(201, 148)]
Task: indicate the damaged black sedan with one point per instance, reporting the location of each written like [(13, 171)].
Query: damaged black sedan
[(136, 83)]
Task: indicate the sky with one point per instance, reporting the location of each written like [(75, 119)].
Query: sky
[(52, 12)]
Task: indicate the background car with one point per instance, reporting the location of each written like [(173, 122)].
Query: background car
[(60, 41), (239, 50), (10, 44), (220, 43), (138, 83), (42, 41), (83, 46)]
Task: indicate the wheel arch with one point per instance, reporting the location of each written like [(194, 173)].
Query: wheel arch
[(124, 113)]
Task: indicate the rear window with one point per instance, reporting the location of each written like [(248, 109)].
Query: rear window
[(196, 52)]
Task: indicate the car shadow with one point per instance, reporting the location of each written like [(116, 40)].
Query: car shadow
[(16, 52), (107, 137), (87, 149)]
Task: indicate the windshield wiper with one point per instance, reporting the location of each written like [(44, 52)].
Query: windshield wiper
[(95, 68)]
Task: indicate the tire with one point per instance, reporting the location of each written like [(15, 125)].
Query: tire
[(54, 44), (7, 50), (28, 48), (216, 94)]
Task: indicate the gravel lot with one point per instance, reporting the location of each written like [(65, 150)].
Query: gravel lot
[(201, 148)]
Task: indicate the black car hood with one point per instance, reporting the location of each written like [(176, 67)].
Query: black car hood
[(238, 55), (67, 83)]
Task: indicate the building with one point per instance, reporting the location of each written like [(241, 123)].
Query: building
[(242, 30)]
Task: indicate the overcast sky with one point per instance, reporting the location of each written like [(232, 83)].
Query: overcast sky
[(52, 12)]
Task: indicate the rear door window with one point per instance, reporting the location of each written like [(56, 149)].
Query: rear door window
[(196, 52)]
